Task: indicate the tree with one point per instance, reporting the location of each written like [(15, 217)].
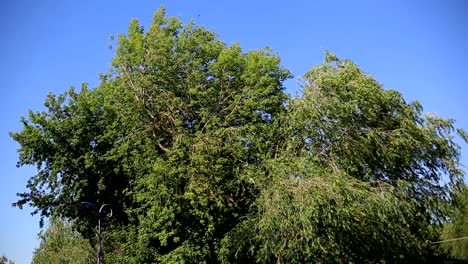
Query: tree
[(347, 120), (457, 227), (165, 139), (59, 243), (205, 159), (381, 194)]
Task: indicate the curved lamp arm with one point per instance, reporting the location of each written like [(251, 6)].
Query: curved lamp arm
[(102, 207)]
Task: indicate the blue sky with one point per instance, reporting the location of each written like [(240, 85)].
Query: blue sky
[(416, 47)]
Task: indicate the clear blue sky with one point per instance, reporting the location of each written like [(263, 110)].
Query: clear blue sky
[(416, 47)]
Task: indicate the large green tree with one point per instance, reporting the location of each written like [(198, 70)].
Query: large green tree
[(205, 159), (357, 178)]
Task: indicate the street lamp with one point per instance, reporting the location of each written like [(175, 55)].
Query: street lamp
[(99, 253)]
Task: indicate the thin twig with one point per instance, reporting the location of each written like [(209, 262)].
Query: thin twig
[(450, 240)]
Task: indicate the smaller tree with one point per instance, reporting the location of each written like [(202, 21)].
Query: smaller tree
[(457, 228), (61, 244)]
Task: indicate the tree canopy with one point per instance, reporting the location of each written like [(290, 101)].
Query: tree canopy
[(205, 158)]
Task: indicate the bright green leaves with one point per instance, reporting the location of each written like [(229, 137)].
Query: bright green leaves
[(457, 227), (59, 243)]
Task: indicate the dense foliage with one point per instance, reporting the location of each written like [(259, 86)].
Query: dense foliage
[(319, 216), (206, 159)]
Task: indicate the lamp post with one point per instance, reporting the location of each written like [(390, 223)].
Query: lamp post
[(99, 253)]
